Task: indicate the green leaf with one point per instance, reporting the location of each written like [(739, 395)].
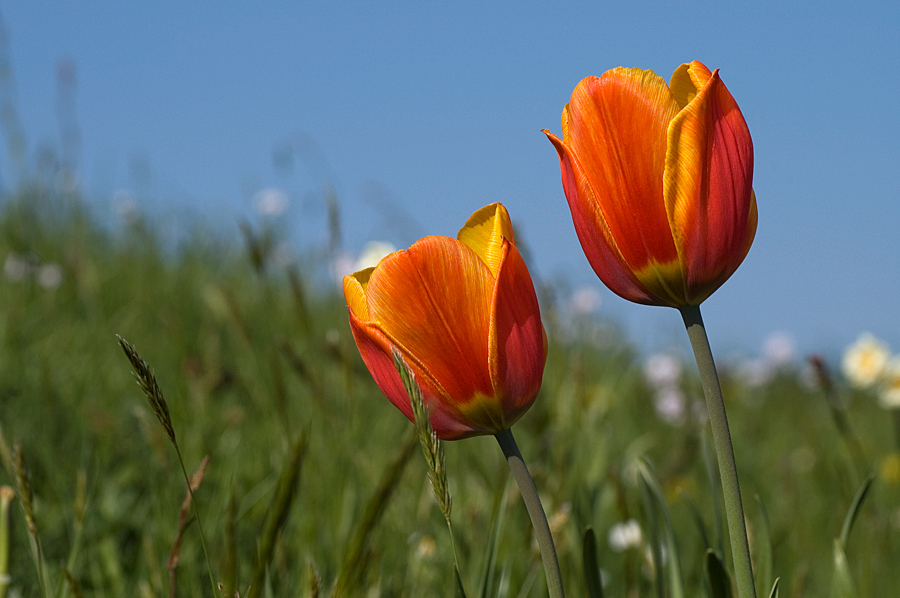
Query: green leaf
[(764, 550), (591, 567), (842, 587), (666, 533), (490, 560), (719, 582), (698, 518), (459, 591), (854, 510), (774, 592), (715, 488), (653, 536)]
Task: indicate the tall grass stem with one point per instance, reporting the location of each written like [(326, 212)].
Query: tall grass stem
[(535, 510), (7, 495), (731, 490)]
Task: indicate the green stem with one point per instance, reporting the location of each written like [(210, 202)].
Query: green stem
[(731, 490), (535, 511), (6, 497)]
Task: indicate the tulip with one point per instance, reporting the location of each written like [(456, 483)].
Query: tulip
[(464, 316), (658, 179)]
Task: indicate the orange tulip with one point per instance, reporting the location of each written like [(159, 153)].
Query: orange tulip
[(659, 182), (464, 315)]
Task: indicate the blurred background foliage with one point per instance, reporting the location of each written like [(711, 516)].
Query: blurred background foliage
[(260, 373)]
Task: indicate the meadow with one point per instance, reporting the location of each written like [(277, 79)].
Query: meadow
[(316, 486)]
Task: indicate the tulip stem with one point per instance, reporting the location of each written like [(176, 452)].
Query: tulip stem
[(731, 490), (535, 511)]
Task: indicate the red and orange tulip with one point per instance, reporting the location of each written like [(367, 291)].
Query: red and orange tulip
[(659, 182), (464, 315)]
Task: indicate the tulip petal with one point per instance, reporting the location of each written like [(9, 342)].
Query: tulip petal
[(375, 350), (708, 187), (443, 317), (517, 342), (484, 232), (355, 293), (590, 225), (687, 81), (616, 126)]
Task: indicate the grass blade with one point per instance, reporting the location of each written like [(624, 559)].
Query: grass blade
[(459, 590), (698, 519), (764, 551), (712, 476), (842, 586), (490, 559), (774, 592), (666, 532), (719, 582), (277, 514), (855, 507), (591, 567), (355, 559)]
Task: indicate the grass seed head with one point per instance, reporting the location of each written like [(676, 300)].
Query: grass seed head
[(24, 488), (431, 445), (147, 381)]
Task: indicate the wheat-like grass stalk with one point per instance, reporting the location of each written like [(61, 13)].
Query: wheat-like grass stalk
[(145, 378), (433, 451), (431, 445), (147, 381), (27, 499)]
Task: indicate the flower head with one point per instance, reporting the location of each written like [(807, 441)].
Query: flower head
[(464, 316), (865, 361), (889, 391), (625, 535), (659, 182)]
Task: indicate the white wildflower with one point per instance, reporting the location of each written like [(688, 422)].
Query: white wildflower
[(670, 404), (755, 372), (585, 301), (50, 276), (625, 535), (270, 202), (865, 361), (16, 267), (372, 253), (125, 205), (889, 390), (779, 349), (662, 370)]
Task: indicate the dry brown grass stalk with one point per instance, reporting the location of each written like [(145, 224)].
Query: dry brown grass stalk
[(6, 455), (24, 484), (175, 553), (74, 585), (315, 580)]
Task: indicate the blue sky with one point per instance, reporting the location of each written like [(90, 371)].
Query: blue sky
[(420, 113)]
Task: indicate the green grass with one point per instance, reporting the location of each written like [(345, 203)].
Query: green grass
[(261, 374)]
